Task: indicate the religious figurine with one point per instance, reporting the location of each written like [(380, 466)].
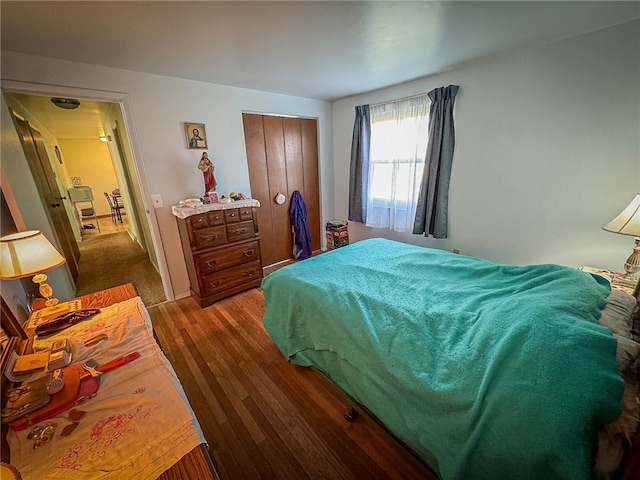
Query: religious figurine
[(207, 168)]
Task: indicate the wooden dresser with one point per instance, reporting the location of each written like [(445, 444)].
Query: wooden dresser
[(221, 248)]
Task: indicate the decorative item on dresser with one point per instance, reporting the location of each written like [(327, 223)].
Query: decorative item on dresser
[(221, 246)]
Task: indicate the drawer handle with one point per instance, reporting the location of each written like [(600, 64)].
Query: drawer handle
[(200, 220), (208, 238), (215, 284), (211, 263), (248, 253), (241, 231), (232, 214), (251, 272)]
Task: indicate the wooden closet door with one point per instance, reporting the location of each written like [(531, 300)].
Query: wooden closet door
[(282, 154)]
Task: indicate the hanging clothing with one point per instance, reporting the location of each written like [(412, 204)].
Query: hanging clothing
[(300, 227)]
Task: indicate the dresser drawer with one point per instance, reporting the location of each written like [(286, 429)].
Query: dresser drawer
[(245, 213), (215, 218), (209, 237), (199, 221), (230, 277), (228, 257), (232, 215), (240, 231)]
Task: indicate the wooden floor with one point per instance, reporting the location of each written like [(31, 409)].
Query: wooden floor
[(263, 417)]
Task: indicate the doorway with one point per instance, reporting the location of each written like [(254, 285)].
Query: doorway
[(282, 155), (112, 176)]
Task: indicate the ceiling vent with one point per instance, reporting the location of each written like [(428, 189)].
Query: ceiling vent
[(66, 103)]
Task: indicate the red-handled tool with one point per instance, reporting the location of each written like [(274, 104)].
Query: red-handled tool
[(79, 386), (118, 362)]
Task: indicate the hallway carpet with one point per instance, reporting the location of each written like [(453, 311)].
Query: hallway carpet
[(109, 260)]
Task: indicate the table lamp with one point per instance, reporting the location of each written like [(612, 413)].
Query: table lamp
[(628, 223), (28, 253)]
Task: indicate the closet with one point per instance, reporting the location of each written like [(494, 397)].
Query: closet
[(282, 155)]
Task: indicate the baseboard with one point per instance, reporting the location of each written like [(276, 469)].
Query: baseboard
[(182, 295)]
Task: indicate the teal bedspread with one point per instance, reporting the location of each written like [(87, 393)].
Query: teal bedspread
[(488, 371)]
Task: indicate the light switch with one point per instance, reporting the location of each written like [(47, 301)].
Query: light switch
[(157, 200)]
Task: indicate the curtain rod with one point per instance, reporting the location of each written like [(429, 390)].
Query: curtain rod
[(399, 99)]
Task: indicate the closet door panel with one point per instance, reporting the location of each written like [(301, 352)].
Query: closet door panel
[(309, 135), (277, 168), (259, 182), (293, 155)]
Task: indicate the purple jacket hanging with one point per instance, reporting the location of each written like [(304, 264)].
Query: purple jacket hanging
[(300, 227)]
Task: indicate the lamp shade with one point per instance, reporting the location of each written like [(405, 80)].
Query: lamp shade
[(628, 222), (24, 254)]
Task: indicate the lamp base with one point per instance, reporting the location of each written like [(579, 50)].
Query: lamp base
[(45, 290), (627, 280)]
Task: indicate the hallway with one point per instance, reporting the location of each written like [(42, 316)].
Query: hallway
[(109, 258)]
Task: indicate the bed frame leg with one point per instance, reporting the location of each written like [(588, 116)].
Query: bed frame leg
[(351, 415)]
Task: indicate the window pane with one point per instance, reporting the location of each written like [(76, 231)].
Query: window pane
[(399, 133)]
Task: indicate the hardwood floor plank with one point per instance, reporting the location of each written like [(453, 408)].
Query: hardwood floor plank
[(282, 459), (287, 418), (361, 464), (202, 397), (263, 417)]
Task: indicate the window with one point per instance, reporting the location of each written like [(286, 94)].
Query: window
[(399, 133)]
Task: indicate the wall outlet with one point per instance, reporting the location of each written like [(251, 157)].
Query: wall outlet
[(157, 200)]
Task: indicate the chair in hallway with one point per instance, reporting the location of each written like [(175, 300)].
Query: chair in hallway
[(82, 198), (115, 209), (88, 212)]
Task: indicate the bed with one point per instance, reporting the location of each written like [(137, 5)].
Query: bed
[(484, 370)]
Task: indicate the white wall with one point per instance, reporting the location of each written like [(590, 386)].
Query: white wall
[(547, 151), (159, 106), (125, 172)]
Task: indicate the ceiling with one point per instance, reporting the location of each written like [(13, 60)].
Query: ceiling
[(83, 122), (324, 50)]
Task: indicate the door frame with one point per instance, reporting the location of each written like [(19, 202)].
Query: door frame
[(13, 86)]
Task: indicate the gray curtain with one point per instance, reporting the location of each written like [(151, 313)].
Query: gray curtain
[(433, 201), (359, 171)]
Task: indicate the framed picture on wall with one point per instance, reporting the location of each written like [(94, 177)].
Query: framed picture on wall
[(196, 135), (58, 154)]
